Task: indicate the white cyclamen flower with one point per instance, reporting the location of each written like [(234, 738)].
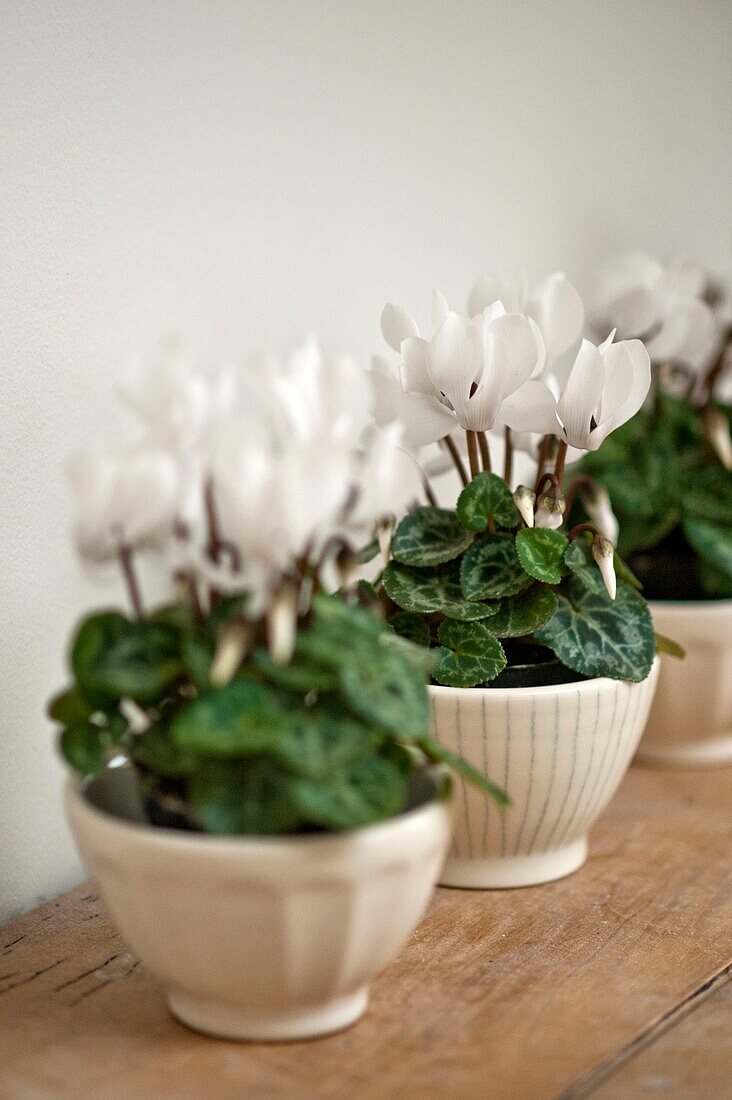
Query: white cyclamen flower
[(424, 418), (554, 305), (169, 400), (603, 388), (123, 497), (663, 306)]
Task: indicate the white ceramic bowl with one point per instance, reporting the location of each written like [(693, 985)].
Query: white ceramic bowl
[(559, 752), (691, 718), (260, 938)]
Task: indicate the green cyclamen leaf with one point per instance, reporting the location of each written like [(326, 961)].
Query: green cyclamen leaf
[(579, 560), (369, 790), (430, 590), (321, 742), (712, 542), (471, 655), (437, 752), (154, 749), (541, 553), (83, 745), (256, 798), (523, 614), (412, 626), (387, 689), (300, 675), (237, 720), (597, 636), (115, 658), (68, 706), (670, 647), (487, 498), (491, 569), (429, 536), (717, 584)]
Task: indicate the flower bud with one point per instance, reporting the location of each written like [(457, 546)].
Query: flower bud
[(597, 504), (230, 651), (717, 429), (282, 624), (604, 554), (550, 508), (525, 499)]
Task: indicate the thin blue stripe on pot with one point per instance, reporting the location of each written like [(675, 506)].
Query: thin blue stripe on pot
[(505, 774), (532, 761), (622, 727), (487, 773), (459, 732), (550, 785), (588, 771), (560, 814), (600, 773)]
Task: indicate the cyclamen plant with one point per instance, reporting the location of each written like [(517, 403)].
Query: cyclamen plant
[(486, 582), (256, 701), (669, 471)]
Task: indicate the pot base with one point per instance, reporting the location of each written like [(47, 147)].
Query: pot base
[(700, 754), (229, 1021), (507, 872)]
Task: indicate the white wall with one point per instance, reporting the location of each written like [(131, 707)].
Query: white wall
[(241, 171)]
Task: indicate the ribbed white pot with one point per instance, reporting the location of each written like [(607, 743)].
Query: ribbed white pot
[(691, 718), (260, 938), (559, 752)]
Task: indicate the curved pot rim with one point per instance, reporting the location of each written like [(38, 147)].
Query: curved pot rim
[(211, 843), (699, 607), (544, 689)]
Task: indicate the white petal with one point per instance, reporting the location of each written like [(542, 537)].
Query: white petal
[(485, 292), (439, 308), (424, 418), (532, 408), (414, 370), (544, 517), (701, 330), (627, 381), (559, 312), (581, 395), (633, 312), (455, 359), (670, 338), (517, 336), (397, 325), (479, 413)]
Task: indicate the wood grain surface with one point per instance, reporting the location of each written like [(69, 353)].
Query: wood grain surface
[(610, 983)]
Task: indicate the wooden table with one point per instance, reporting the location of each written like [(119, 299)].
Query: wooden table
[(611, 984)]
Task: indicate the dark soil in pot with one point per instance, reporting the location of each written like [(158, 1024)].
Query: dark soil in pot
[(533, 665)]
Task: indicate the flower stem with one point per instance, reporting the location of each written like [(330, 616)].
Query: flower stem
[(485, 454), (717, 367), (431, 498), (542, 459), (582, 480), (133, 588), (214, 532), (560, 461), (507, 456), (455, 456), (580, 528), (473, 453)]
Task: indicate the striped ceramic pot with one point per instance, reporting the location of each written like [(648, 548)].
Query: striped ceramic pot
[(690, 724), (559, 752)]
